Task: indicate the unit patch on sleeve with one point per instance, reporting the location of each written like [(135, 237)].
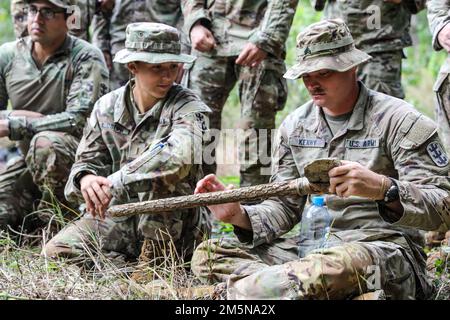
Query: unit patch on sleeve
[(437, 154)]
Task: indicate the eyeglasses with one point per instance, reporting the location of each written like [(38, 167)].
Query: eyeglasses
[(47, 13)]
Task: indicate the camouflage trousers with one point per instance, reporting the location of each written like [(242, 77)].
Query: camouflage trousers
[(124, 236), (442, 90), (19, 18), (275, 272), (383, 73), (41, 175), (262, 92)]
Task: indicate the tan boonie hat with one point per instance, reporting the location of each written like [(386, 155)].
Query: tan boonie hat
[(325, 45), (152, 43), (59, 3)]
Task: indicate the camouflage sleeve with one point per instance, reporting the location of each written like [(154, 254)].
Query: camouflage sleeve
[(274, 29), (101, 37), (166, 11), (423, 180), (90, 82), (275, 216), (165, 162), (438, 17), (92, 155), (414, 6), (194, 11)]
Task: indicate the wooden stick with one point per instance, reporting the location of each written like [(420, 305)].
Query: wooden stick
[(299, 186)]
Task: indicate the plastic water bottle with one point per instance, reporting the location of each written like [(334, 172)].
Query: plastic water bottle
[(314, 227)]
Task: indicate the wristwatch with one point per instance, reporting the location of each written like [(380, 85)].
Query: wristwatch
[(391, 194)]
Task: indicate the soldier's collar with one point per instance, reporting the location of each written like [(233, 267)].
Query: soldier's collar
[(64, 49), (121, 114), (356, 121)]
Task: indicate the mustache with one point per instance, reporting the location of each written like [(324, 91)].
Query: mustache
[(317, 91)]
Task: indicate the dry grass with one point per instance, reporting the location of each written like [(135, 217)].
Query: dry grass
[(26, 274)]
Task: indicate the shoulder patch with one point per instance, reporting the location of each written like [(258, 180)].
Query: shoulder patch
[(421, 130), (437, 154)]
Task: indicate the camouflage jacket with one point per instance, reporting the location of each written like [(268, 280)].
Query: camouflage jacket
[(78, 26), (64, 89), (109, 27), (234, 23), (438, 17), (389, 137), (376, 26), (161, 155)]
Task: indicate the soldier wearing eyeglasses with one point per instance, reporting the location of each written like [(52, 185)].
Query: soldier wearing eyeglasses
[(52, 81), (80, 16)]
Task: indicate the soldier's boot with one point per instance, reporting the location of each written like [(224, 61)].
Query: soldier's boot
[(434, 239), (154, 255), (375, 295)]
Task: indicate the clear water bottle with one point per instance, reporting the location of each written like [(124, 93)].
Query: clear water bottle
[(314, 227)]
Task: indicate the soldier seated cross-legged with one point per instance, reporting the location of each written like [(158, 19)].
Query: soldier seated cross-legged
[(139, 144), (52, 81), (392, 181)]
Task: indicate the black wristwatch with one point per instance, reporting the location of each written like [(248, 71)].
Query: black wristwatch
[(391, 194)]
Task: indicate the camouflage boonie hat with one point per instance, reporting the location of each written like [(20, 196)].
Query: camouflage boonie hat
[(325, 45), (152, 43), (59, 3)]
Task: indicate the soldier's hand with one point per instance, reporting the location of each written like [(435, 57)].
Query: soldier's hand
[(444, 38), (108, 59), (353, 179), (202, 39), (251, 56), (96, 194), (227, 212), (4, 128)]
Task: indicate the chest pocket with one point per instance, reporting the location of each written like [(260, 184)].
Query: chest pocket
[(369, 151), (304, 149)]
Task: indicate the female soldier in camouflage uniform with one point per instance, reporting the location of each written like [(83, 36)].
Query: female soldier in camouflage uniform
[(141, 142)]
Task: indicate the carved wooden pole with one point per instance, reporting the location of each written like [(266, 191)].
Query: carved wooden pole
[(299, 186), (316, 181)]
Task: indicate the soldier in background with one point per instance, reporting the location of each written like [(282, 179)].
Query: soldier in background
[(391, 183), (52, 81), (241, 42), (81, 15), (140, 144), (19, 18), (381, 29), (439, 18), (109, 29)]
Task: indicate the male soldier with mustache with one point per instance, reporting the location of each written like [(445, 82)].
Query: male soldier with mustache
[(392, 181)]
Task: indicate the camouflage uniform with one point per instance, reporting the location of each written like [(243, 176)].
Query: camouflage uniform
[(438, 17), (109, 27), (64, 90), (145, 157), (386, 135), (78, 28), (262, 89), (384, 43)]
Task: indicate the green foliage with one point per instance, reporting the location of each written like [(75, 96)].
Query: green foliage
[(7, 33)]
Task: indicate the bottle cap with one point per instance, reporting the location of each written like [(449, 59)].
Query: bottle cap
[(318, 201)]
